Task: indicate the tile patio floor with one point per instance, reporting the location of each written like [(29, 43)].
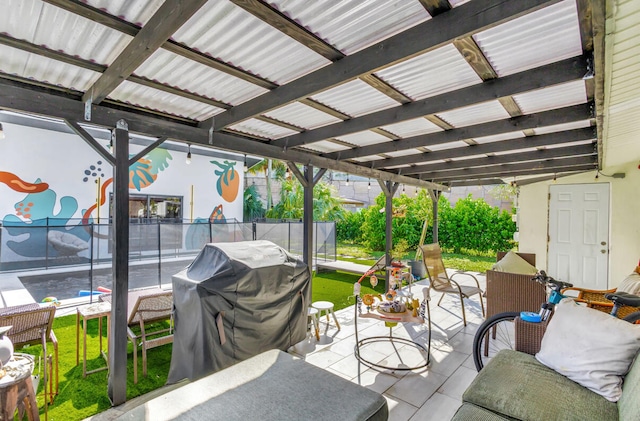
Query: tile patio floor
[(432, 393)]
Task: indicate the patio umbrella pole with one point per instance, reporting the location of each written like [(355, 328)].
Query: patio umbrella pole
[(389, 188)]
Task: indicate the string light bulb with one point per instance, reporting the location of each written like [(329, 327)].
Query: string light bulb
[(369, 186), (347, 183), (403, 189), (1, 132), (246, 167), (188, 154)]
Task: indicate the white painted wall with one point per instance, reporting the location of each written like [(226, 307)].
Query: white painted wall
[(624, 233), (61, 159)]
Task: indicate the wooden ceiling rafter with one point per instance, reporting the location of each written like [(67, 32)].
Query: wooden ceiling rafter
[(23, 97), (575, 135), (546, 118), (470, 18), (555, 73), (537, 155), (169, 17), (87, 11), (508, 170)]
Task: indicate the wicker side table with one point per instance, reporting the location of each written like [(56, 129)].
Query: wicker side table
[(529, 335)]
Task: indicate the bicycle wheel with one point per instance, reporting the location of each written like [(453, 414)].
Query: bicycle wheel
[(633, 318), (495, 334)]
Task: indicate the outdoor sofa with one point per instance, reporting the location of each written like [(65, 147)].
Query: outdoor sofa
[(271, 386), (591, 371)]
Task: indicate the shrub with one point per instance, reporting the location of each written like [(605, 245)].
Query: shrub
[(349, 229), (473, 224)]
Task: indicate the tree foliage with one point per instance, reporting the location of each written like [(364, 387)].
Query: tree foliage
[(326, 206), (470, 225), (252, 207)]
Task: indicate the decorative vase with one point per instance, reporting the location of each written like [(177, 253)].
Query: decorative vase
[(6, 347)]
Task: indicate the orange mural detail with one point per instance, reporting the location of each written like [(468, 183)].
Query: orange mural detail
[(216, 214), (16, 183), (103, 195)]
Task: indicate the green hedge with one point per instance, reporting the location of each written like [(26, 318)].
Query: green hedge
[(471, 225)]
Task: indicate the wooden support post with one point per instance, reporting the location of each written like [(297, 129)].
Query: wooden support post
[(117, 385)]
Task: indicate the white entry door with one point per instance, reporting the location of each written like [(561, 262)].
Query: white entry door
[(579, 234)]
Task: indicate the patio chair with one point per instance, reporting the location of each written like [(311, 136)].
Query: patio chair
[(594, 298), (146, 310), (440, 281), (32, 326)]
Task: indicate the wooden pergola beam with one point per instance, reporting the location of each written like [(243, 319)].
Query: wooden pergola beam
[(550, 74), (167, 20), (507, 170), (538, 155), (550, 139), (18, 97), (457, 23), (89, 12), (290, 27), (546, 118)]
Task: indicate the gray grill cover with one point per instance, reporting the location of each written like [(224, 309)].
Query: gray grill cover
[(255, 289)]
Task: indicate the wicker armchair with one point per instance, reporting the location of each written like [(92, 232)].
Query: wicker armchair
[(512, 291), (32, 326), (146, 307), (594, 298), (441, 281)]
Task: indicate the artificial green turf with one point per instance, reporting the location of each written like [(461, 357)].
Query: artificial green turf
[(82, 397)]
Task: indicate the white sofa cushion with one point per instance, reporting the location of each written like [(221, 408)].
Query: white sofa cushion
[(513, 263), (590, 347)]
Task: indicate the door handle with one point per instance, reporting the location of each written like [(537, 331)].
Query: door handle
[(603, 243), (603, 251)]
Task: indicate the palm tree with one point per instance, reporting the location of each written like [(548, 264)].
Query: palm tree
[(268, 167), (291, 206)]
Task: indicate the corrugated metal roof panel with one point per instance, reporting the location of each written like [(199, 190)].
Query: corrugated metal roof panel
[(32, 66), (579, 142), (562, 127), (448, 145), (192, 76), (463, 158), (351, 25), (60, 30), (410, 128), (134, 11), (154, 99), (475, 114), (498, 137), (235, 36), (433, 73), (355, 98), (325, 146), (368, 158), (405, 152), (364, 138), (456, 3), (262, 128), (553, 97), (542, 37), (302, 115)]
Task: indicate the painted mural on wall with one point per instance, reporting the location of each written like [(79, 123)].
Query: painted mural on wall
[(228, 180), (32, 214), (70, 197)]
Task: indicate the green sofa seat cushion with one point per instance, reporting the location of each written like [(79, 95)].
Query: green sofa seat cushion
[(469, 411), (516, 385)]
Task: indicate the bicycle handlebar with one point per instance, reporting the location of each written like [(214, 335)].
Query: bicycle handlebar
[(546, 280)]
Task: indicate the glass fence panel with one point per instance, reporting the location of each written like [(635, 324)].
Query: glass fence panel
[(64, 259)]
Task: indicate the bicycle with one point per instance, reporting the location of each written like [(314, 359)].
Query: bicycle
[(498, 332)]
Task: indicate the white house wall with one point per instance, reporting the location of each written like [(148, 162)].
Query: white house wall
[(624, 228), (32, 156)]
